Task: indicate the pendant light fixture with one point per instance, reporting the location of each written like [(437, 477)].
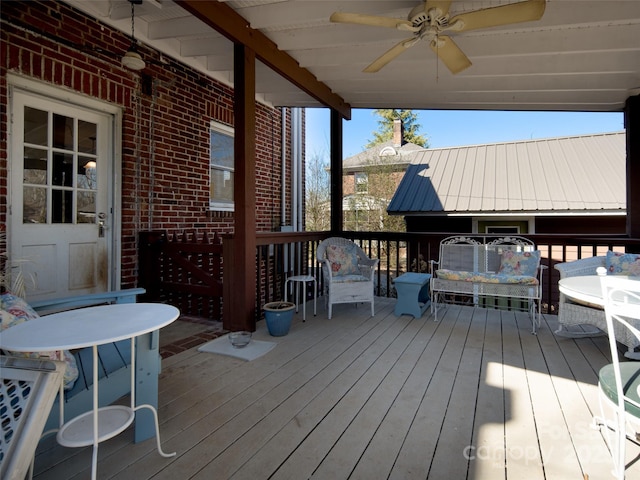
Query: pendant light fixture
[(132, 58)]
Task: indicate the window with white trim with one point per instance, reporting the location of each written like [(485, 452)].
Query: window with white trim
[(221, 167), (362, 182)]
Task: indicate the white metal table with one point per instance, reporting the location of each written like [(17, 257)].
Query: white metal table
[(90, 327)]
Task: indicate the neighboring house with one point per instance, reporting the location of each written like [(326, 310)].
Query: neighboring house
[(94, 152), (557, 185), (370, 179)]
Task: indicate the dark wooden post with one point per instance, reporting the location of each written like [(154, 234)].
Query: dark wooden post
[(240, 273), (632, 126), (149, 263), (336, 172)]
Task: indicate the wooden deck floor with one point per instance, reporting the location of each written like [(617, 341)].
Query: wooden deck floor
[(473, 396)]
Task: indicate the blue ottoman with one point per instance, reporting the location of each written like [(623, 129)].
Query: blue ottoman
[(413, 294)]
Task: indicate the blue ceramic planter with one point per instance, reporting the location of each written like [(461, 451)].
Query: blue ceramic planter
[(279, 316)]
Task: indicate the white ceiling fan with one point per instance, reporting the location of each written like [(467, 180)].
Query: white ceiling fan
[(431, 19)]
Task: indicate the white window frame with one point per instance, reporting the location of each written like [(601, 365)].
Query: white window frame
[(221, 128), (361, 182)]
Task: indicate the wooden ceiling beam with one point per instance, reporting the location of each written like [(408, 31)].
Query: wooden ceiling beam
[(229, 23)]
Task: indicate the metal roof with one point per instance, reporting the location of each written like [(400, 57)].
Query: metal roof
[(581, 174)]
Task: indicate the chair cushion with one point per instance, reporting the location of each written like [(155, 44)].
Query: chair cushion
[(630, 373), (623, 263), (343, 259), (520, 263), (477, 277), (14, 310), (350, 278)]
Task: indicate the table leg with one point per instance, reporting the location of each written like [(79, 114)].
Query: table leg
[(150, 407), (94, 457), (315, 295), (304, 301)]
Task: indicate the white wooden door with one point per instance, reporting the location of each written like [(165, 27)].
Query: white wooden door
[(60, 212)]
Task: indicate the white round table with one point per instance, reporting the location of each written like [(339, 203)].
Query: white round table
[(588, 289), (583, 288), (90, 327)]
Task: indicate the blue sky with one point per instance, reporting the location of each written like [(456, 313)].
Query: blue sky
[(455, 128)]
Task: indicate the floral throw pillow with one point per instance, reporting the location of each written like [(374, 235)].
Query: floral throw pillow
[(520, 263), (13, 311), (343, 259), (623, 264)]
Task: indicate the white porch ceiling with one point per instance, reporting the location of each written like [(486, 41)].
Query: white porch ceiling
[(583, 55)]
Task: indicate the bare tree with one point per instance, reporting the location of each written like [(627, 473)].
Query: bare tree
[(318, 205)]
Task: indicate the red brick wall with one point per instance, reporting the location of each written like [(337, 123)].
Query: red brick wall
[(165, 130)]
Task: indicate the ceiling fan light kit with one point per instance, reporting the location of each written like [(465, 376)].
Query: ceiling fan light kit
[(132, 59), (431, 19)]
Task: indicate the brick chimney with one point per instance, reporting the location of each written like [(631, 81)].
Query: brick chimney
[(398, 133)]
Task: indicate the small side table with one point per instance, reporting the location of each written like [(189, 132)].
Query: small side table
[(413, 294), (90, 327), (304, 279)]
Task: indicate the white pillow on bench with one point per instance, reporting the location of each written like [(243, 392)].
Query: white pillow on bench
[(14, 310)]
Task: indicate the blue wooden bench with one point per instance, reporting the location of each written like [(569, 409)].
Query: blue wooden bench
[(114, 372)]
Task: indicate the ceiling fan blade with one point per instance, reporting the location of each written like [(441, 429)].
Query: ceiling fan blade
[(390, 54), (526, 11), (450, 54), (371, 20)]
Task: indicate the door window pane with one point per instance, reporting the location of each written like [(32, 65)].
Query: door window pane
[(35, 126), (86, 207), (62, 206), (34, 208), (62, 132), (87, 173), (35, 166), (87, 137), (62, 170)]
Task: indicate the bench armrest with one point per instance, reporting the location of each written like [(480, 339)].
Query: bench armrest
[(433, 264)]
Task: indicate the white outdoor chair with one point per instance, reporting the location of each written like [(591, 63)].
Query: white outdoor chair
[(347, 272), (28, 387), (619, 382)]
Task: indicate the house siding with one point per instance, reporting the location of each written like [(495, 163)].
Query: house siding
[(603, 225), (167, 109)]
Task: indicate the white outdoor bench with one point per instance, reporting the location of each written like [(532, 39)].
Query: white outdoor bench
[(484, 268)]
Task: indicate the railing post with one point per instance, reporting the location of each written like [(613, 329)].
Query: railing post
[(150, 264)]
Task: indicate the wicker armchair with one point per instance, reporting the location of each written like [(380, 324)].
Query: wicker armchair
[(347, 272), (571, 314), (591, 318)]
